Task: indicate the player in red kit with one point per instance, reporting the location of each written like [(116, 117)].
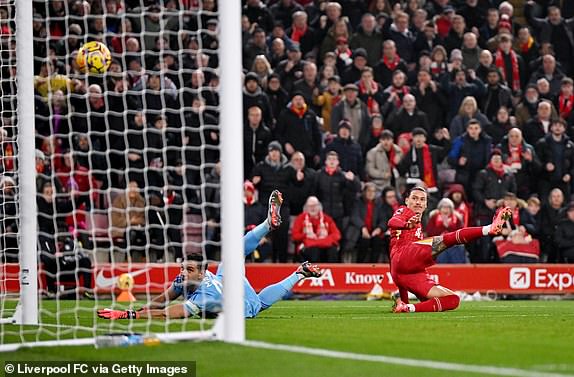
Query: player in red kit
[(411, 254)]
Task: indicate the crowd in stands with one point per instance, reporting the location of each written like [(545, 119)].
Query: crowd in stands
[(346, 105)]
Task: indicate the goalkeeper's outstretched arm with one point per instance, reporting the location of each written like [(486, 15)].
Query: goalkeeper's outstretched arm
[(176, 311), (160, 301)]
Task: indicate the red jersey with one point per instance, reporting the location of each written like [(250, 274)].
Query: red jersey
[(400, 234)]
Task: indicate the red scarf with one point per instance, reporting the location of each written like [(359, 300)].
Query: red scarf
[(515, 73), (370, 99), (525, 47), (499, 172), (515, 154), (298, 33), (8, 158), (401, 92), (392, 64), (299, 112), (392, 155), (310, 232), (376, 132), (565, 104), (249, 200), (437, 68), (330, 171), (369, 216), (440, 224), (464, 210), (428, 174)]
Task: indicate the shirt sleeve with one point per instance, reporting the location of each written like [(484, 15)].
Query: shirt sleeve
[(400, 218)]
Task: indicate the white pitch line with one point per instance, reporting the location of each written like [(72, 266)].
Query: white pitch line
[(429, 364)]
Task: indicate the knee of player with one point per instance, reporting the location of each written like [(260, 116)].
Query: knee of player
[(455, 301)]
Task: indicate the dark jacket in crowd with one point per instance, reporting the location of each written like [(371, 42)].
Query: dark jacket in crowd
[(528, 171), (564, 240), (299, 191), (477, 154), (273, 177), (255, 142), (336, 193), (489, 185), (302, 133), (350, 155)]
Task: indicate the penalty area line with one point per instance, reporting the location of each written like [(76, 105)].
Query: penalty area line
[(416, 363)]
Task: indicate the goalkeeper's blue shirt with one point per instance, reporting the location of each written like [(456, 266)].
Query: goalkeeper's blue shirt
[(207, 298)]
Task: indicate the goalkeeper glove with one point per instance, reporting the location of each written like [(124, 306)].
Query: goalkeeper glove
[(118, 314)]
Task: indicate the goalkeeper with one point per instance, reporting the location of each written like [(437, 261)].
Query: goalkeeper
[(203, 290)]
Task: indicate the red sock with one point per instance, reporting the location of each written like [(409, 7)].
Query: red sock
[(404, 295), (438, 304), (462, 236)]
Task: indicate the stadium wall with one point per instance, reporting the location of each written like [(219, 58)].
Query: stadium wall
[(345, 278)]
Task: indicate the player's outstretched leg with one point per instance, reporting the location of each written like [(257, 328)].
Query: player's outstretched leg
[(434, 304), (466, 235), (275, 292), (253, 237)]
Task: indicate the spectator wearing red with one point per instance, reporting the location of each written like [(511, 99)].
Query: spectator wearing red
[(457, 195), (368, 225), (420, 163), (439, 58), (526, 46), (489, 186), (316, 234), (521, 159), (393, 94), (564, 102), (510, 64), (285, 10), (370, 92), (300, 32), (389, 63), (445, 219), (518, 247), (254, 214)]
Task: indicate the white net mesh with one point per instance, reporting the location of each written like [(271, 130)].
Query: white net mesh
[(127, 161)]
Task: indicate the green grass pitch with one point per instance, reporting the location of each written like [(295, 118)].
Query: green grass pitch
[(537, 336)]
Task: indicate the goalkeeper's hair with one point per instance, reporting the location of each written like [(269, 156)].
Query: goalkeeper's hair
[(199, 259)]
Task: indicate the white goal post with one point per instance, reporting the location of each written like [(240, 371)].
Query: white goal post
[(32, 322)]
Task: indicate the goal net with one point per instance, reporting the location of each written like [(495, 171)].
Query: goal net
[(122, 169)]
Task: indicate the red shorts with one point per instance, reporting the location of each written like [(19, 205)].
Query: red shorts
[(408, 267)]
